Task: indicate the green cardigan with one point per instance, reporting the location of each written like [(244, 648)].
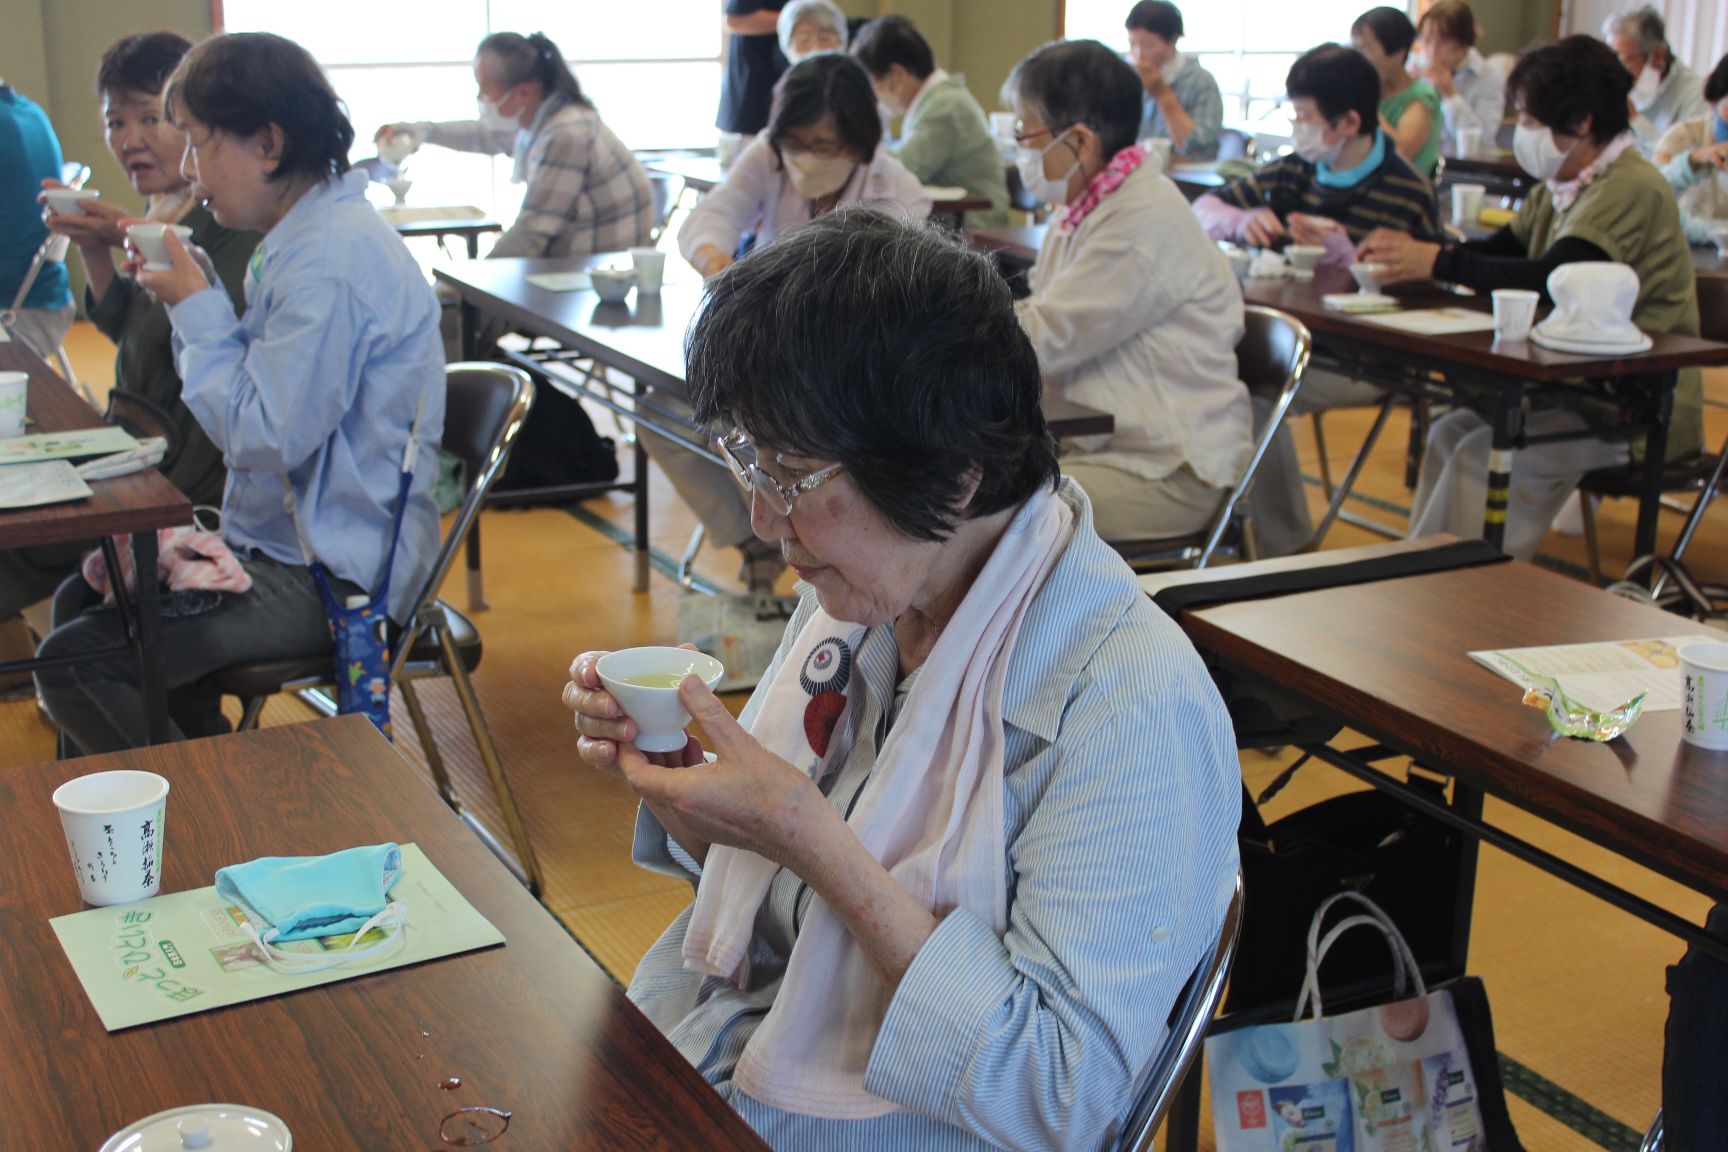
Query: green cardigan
[(945, 141)]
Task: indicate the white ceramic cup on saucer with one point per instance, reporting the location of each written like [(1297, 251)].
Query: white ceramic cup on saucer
[(1704, 695), (1304, 258), (1369, 276), (147, 236), (1514, 313), (113, 825), (1469, 142), (14, 401), (645, 682), (650, 265), (1466, 204), (64, 201)]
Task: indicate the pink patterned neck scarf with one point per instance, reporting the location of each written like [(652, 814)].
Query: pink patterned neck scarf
[(1103, 184), (1565, 193)]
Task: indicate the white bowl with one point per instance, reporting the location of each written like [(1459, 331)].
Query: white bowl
[(1369, 276), (398, 148), (399, 189), (659, 713), (1719, 233), (64, 201), (1304, 257), (613, 284)]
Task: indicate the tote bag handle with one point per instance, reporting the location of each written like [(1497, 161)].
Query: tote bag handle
[(1403, 960)]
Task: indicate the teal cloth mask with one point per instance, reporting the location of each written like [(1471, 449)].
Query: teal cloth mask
[(1350, 177), (1719, 130), (287, 898)]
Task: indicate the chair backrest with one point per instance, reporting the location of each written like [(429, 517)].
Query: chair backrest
[(1271, 360), (1713, 307), (661, 202), (1194, 1008), (484, 408)]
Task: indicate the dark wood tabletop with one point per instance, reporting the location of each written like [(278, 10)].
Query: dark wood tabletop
[(1389, 658), (644, 336), (532, 1027), (1709, 262), (140, 502)]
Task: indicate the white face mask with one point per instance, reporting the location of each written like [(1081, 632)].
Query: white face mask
[(1537, 153), (1309, 141), (494, 120), (813, 178), (1030, 163), (1647, 86)]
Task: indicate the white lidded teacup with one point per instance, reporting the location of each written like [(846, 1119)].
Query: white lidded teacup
[(645, 682)]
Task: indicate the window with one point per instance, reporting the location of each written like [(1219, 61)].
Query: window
[(656, 84), (1248, 45)]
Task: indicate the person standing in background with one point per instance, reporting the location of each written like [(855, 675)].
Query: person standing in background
[(1472, 91), (29, 154), (1181, 102), (1664, 91), (754, 63)]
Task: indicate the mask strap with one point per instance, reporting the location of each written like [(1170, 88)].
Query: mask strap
[(296, 963)]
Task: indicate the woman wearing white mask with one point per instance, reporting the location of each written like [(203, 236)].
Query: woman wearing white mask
[(1664, 91), (809, 27), (585, 192), (1472, 91), (1133, 310), (1598, 200), (1694, 157)]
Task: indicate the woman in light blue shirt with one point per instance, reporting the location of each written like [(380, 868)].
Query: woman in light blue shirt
[(314, 391)]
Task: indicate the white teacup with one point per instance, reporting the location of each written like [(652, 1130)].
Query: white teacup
[(1158, 152), (147, 237), (1704, 695), (613, 284), (650, 265), (645, 682), (1304, 258), (1369, 276), (1469, 142), (14, 400), (397, 148), (1240, 261), (64, 201), (113, 825), (1514, 313), (399, 189), (1719, 233)]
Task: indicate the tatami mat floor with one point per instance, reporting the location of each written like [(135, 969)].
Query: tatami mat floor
[(1576, 986)]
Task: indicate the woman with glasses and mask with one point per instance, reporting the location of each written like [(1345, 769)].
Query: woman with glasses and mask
[(960, 853), (821, 150), (1133, 310), (1597, 199), (584, 190)]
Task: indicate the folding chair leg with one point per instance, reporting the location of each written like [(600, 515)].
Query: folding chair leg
[(1592, 545), (429, 746), (688, 560), (251, 709), (71, 377), (1320, 450), (1345, 486), (524, 862)]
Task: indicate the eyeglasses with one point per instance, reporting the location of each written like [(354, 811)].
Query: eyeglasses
[(1021, 137), (779, 497), (823, 150)]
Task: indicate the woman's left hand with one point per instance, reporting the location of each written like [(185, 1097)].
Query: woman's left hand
[(189, 276), (1405, 258), (747, 798)]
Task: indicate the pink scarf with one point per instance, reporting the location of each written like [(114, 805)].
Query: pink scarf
[(1103, 184), (1564, 194), (185, 558), (932, 813)]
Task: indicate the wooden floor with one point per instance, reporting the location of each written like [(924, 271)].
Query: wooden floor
[(1576, 987)]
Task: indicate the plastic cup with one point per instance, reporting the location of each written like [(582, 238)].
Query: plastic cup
[(650, 264), (1469, 142), (1514, 313), (64, 201), (1704, 695), (113, 824), (14, 400), (645, 683), (147, 238), (1466, 204)]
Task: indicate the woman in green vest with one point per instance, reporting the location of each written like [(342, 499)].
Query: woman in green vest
[(944, 137), (1409, 108)]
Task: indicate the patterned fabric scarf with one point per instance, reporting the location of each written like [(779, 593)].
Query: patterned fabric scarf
[(1566, 193), (1103, 184)]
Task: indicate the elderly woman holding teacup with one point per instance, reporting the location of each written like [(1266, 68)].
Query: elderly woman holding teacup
[(976, 827)]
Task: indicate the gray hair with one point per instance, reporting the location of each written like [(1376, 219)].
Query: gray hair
[(1643, 26), (824, 13)]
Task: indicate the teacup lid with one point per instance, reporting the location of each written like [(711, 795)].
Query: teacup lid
[(212, 1127)]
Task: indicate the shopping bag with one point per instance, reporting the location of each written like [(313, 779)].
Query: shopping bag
[(1400, 1077)]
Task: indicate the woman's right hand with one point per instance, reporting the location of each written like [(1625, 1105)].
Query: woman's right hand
[(710, 261), (99, 228), (604, 732), (1710, 156), (1262, 228)]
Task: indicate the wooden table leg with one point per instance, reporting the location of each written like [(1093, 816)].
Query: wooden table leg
[(147, 638), (1655, 459), (470, 321), (640, 458)]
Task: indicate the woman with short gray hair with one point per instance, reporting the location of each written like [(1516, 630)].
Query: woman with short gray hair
[(807, 27), (1664, 91)]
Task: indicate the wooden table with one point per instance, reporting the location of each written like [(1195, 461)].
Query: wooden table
[(1388, 660), (1492, 377), (643, 339), (533, 1027), (1708, 262), (463, 221), (1494, 169), (136, 504)]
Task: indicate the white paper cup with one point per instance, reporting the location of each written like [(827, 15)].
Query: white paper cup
[(1002, 125), (147, 237), (650, 264), (14, 400), (1158, 152), (64, 201), (659, 713), (1704, 695), (1469, 142), (113, 823), (1466, 204), (1514, 313)]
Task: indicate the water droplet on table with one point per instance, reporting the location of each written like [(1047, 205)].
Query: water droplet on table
[(471, 1127), (450, 1083)]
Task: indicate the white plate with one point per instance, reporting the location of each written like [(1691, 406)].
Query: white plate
[(1583, 348), (1358, 301)]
